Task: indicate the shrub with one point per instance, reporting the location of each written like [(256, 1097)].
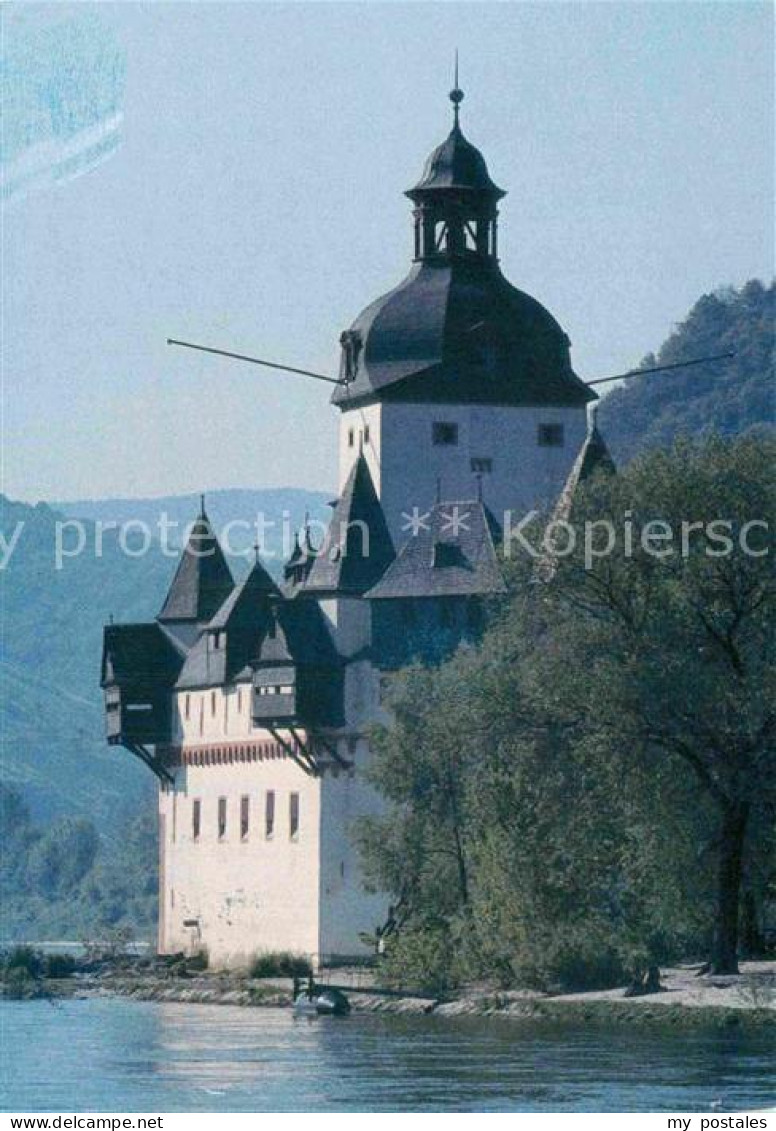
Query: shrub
[(23, 958), (198, 961), (421, 958), (279, 964), (58, 965)]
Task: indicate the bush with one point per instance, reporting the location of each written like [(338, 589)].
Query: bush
[(280, 964), (198, 961), (421, 958), (58, 965), (25, 959)]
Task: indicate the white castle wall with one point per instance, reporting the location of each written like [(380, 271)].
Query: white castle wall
[(248, 895), (256, 893), (406, 465)]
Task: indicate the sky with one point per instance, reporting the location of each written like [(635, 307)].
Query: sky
[(234, 173)]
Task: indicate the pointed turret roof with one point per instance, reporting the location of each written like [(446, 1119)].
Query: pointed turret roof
[(202, 581), (358, 547), (593, 457), (244, 598)]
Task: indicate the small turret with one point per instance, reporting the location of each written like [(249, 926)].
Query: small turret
[(202, 581)]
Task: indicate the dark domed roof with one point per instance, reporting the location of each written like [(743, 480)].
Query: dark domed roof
[(458, 333), (456, 164)]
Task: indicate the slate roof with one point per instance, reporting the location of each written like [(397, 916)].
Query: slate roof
[(593, 457), (138, 654), (202, 581), (458, 165), (243, 602), (451, 558), (300, 636), (358, 547), (456, 331)]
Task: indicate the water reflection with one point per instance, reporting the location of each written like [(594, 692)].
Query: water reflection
[(114, 1055)]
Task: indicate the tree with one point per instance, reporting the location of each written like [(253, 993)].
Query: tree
[(669, 649), (559, 797)]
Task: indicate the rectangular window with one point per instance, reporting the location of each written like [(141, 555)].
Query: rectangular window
[(293, 816), (212, 703), (245, 817), (366, 434), (269, 813), (221, 818), (550, 436), (188, 707), (482, 466), (444, 434), (351, 437), (196, 818)]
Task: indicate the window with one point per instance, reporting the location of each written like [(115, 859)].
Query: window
[(366, 434), (245, 817), (482, 466), (219, 640), (269, 813), (351, 438), (221, 818), (550, 436), (187, 707), (196, 818), (444, 434), (212, 702), (293, 815)]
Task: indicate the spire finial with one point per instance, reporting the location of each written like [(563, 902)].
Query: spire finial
[(202, 504), (456, 94), (256, 551)]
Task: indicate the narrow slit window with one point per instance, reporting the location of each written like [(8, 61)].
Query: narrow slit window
[(212, 703), (187, 707), (245, 817), (366, 434), (269, 814), (444, 434), (351, 437), (196, 818), (293, 816), (221, 818), (550, 436), (482, 466)]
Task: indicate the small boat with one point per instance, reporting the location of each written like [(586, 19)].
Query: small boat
[(321, 1001)]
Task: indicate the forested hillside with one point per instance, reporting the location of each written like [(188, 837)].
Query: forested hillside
[(730, 397)]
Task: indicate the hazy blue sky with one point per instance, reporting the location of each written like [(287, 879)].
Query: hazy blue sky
[(251, 197)]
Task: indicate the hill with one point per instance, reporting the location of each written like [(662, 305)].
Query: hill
[(731, 397)]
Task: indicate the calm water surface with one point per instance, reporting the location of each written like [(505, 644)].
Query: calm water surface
[(126, 1056)]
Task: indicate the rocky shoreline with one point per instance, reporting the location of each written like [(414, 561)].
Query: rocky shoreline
[(687, 1000)]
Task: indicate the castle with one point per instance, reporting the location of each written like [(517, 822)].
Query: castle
[(252, 702)]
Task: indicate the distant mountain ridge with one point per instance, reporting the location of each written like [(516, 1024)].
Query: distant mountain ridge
[(241, 513)]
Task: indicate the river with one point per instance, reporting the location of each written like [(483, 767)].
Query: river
[(126, 1056)]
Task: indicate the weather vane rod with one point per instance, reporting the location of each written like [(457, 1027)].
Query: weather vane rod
[(256, 361), (662, 368)]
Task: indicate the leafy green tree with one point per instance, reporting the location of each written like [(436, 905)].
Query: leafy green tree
[(561, 797)]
